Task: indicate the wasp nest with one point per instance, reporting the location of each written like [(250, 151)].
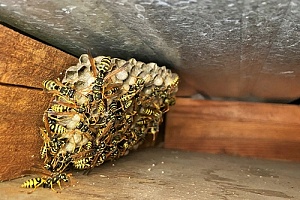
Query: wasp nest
[(103, 108)]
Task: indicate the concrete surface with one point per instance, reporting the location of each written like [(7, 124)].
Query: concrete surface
[(157, 173)]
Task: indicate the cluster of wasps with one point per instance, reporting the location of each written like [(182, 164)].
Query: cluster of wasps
[(103, 108)]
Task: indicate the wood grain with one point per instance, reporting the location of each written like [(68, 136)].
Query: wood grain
[(25, 63), (21, 112), (260, 130)]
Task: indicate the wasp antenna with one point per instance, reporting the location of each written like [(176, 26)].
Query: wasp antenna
[(92, 62)]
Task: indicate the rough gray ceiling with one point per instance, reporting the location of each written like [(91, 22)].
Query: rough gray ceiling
[(244, 49)]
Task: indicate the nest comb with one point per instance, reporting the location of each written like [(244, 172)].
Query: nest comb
[(103, 108)]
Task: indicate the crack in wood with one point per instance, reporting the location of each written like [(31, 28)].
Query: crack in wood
[(20, 86)]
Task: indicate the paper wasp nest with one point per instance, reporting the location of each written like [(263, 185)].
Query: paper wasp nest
[(103, 108)]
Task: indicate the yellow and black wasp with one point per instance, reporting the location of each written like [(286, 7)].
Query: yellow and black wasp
[(47, 181), (133, 91), (150, 112), (99, 72), (56, 87)]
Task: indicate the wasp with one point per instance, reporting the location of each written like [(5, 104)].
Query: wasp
[(133, 90), (51, 85), (83, 163), (60, 108), (103, 132), (88, 159), (129, 118), (90, 98), (44, 152), (57, 128), (113, 107), (103, 67), (169, 101), (46, 146), (52, 126), (97, 89), (133, 138), (33, 183), (112, 90), (101, 160), (67, 120), (142, 121), (81, 126), (112, 152), (56, 179), (46, 181), (101, 106), (56, 144), (127, 104), (123, 145), (153, 131), (98, 156), (63, 93), (88, 145), (48, 166), (60, 162), (150, 112), (58, 88), (61, 105), (175, 82), (139, 84), (127, 96), (122, 129), (158, 92), (51, 145), (172, 84)]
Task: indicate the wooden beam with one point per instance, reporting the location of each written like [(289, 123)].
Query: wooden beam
[(259, 130), (25, 63), (21, 114)]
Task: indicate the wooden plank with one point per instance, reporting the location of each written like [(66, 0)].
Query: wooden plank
[(27, 62), (260, 130), (20, 116)]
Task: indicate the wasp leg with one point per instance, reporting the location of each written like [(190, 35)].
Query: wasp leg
[(38, 185)]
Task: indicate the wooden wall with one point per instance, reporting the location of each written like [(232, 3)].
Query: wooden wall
[(260, 130), (25, 63)]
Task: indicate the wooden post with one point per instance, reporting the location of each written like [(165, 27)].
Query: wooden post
[(259, 130), (24, 64)]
